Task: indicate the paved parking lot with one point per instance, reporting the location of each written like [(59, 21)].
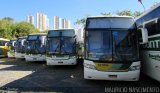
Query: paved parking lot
[(16, 74)]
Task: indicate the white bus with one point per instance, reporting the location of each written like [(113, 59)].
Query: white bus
[(11, 46), (61, 47), (150, 52), (36, 47), (20, 47), (112, 49)]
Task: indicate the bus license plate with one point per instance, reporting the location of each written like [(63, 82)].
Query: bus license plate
[(60, 62), (34, 58), (112, 76)]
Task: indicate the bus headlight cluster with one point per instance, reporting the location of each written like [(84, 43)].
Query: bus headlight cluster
[(28, 47), (54, 57), (72, 56), (133, 68), (89, 66)]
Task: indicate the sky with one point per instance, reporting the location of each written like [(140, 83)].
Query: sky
[(69, 9)]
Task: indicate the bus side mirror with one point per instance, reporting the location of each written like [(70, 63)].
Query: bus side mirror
[(7, 44), (23, 42), (13, 44), (144, 32)]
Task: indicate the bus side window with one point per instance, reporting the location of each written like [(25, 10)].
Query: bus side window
[(140, 35), (23, 42), (6, 44), (43, 40), (158, 25), (151, 27)]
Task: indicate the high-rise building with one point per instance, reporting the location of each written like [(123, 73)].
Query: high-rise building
[(42, 22), (56, 22), (59, 23), (66, 23), (79, 33), (47, 23), (30, 19)]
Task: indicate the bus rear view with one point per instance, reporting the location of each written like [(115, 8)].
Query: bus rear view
[(111, 49)]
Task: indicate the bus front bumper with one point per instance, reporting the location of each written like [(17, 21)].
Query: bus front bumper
[(69, 61), (37, 57), (2, 55), (11, 54), (115, 76), (19, 55)]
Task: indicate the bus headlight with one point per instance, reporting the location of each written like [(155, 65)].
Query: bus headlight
[(53, 56), (89, 66), (133, 68), (72, 57), (28, 47)]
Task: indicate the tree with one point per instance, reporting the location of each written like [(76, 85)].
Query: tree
[(136, 14), (106, 14), (23, 29), (9, 19), (9, 29), (81, 21), (124, 13), (6, 28), (129, 13)]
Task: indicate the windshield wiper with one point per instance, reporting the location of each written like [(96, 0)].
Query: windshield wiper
[(56, 48), (53, 52), (68, 53)]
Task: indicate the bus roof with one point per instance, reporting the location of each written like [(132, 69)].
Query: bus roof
[(68, 29), (3, 39), (110, 22), (61, 32), (149, 10), (38, 34), (13, 39), (114, 16), (23, 37)]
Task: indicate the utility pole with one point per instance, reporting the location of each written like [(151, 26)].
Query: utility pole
[(142, 4)]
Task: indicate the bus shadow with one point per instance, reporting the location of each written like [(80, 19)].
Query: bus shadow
[(51, 78), (19, 65), (67, 79), (50, 82)]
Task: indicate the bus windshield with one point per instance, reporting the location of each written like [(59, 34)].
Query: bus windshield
[(112, 45), (3, 43), (12, 45), (35, 44), (68, 45), (19, 47), (61, 45), (53, 45), (99, 45)]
